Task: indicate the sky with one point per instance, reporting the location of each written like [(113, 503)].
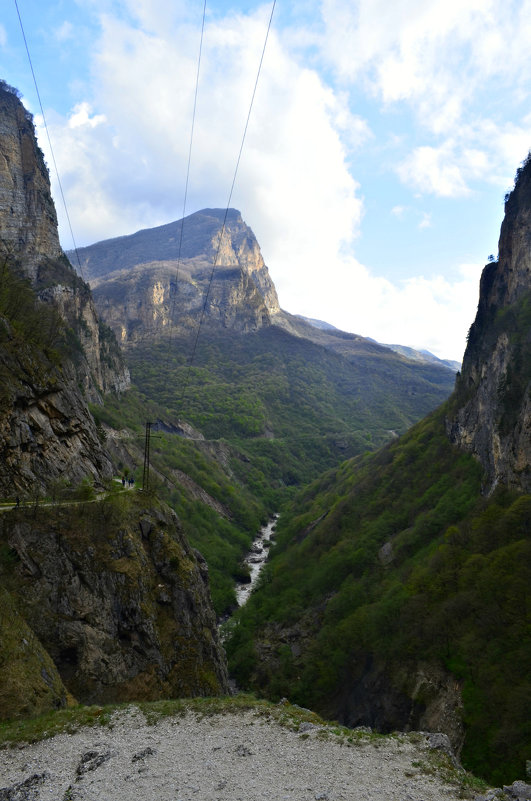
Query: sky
[(382, 138)]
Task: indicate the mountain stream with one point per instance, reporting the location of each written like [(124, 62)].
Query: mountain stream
[(256, 559)]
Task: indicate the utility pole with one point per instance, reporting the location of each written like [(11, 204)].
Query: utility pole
[(145, 474)]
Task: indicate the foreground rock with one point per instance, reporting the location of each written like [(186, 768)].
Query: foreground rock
[(239, 755), (118, 603)]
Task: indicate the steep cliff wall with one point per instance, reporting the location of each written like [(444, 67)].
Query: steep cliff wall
[(30, 241), (492, 406), (116, 597), (55, 355), (28, 221)]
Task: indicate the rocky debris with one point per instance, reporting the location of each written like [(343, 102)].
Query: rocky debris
[(26, 790), (145, 752), (227, 757), (517, 791), (441, 742), (520, 791), (92, 759)]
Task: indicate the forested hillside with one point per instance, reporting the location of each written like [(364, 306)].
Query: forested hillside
[(250, 403), (398, 593)]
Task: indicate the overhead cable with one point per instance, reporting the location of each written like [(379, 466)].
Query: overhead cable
[(49, 141)]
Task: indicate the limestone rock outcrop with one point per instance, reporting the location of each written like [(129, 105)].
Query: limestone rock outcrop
[(492, 406), (117, 598), (162, 278), (28, 221), (29, 240), (46, 429)]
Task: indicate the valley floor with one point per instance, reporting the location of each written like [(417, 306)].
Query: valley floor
[(247, 755)]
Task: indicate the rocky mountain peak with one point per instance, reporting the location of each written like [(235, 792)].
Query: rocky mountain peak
[(160, 278), (493, 393)]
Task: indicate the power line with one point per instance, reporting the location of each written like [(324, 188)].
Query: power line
[(49, 140), (174, 301), (203, 310)]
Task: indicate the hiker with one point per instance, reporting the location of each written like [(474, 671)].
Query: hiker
[(17, 502)]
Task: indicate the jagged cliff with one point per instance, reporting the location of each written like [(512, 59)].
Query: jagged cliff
[(30, 241), (102, 599), (49, 375), (117, 599), (142, 288), (493, 393), (27, 214)]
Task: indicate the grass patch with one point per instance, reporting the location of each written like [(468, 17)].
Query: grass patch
[(55, 722)]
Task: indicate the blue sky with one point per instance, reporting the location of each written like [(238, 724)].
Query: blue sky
[(382, 140)]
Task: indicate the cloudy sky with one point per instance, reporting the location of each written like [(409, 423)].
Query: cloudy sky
[(382, 139)]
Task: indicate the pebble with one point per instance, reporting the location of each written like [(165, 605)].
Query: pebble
[(220, 758)]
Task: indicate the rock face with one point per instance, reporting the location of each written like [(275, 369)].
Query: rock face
[(30, 684), (493, 397), (117, 598), (142, 287), (46, 430), (105, 600), (27, 214), (29, 239)]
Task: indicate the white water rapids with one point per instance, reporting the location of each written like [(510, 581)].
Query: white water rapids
[(256, 559)]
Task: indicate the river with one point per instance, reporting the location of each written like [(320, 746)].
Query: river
[(256, 559)]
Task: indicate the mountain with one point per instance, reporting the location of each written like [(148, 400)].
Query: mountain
[(425, 356), (102, 597), (404, 350), (161, 278), (52, 341), (397, 594), (270, 400), (213, 315)]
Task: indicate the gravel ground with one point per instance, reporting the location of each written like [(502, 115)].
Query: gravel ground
[(224, 757)]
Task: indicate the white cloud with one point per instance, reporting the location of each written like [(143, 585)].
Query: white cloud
[(433, 170), (422, 49), (123, 149), (65, 32), (124, 154), (433, 313), (447, 61), (81, 116)]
